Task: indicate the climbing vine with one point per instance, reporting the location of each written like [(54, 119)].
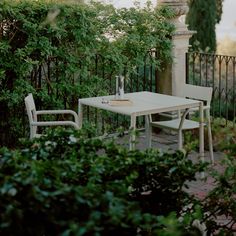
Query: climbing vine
[(60, 51)]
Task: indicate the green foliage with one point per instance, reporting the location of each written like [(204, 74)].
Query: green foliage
[(202, 17), (191, 140), (219, 10), (61, 51), (221, 202), (68, 184), (223, 133)]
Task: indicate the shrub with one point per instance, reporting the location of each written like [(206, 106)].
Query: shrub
[(69, 184), (224, 134), (220, 203)]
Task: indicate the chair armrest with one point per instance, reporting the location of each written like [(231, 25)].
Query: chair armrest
[(206, 107), (55, 123), (183, 118), (50, 112), (197, 108)]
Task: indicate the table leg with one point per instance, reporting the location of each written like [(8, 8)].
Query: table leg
[(201, 135), (80, 114), (132, 134), (148, 131), (180, 130)]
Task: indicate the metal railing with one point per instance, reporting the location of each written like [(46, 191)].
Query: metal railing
[(204, 69), (92, 77), (217, 71)]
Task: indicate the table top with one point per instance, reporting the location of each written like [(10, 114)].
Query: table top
[(143, 103)]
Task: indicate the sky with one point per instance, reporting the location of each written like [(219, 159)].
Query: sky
[(226, 28)]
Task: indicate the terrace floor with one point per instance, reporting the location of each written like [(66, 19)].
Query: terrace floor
[(168, 142)]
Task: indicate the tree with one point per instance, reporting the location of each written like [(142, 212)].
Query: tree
[(219, 7), (202, 17)]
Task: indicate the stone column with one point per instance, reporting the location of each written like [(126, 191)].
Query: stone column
[(173, 77)]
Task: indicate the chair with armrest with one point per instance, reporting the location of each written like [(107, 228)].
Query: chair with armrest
[(33, 117), (181, 122)]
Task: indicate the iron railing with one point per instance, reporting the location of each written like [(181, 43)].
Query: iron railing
[(217, 71), (89, 77)]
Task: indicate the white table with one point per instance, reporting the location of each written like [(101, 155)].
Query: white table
[(144, 104)]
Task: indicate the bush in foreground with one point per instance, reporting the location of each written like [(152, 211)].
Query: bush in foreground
[(68, 184)]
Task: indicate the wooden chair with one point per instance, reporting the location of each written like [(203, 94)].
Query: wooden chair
[(33, 117), (193, 92)]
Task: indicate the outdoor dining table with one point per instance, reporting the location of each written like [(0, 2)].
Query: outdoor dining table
[(144, 104)]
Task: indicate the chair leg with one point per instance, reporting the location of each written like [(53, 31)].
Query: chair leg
[(210, 137), (148, 128), (149, 136), (33, 131), (180, 140)]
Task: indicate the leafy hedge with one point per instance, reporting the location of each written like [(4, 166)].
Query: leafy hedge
[(220, 203), (69, 184), (60, 51), (73, 185)]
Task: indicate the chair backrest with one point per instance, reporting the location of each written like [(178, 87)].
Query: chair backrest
[(31, 112), (197, 92)]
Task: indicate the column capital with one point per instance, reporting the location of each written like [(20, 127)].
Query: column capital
[(180, 8)]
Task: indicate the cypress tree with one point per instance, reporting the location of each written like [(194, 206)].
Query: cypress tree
[(202, 17), (219, 6)]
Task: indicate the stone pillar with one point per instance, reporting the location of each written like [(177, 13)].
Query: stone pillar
[(173, 77)]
